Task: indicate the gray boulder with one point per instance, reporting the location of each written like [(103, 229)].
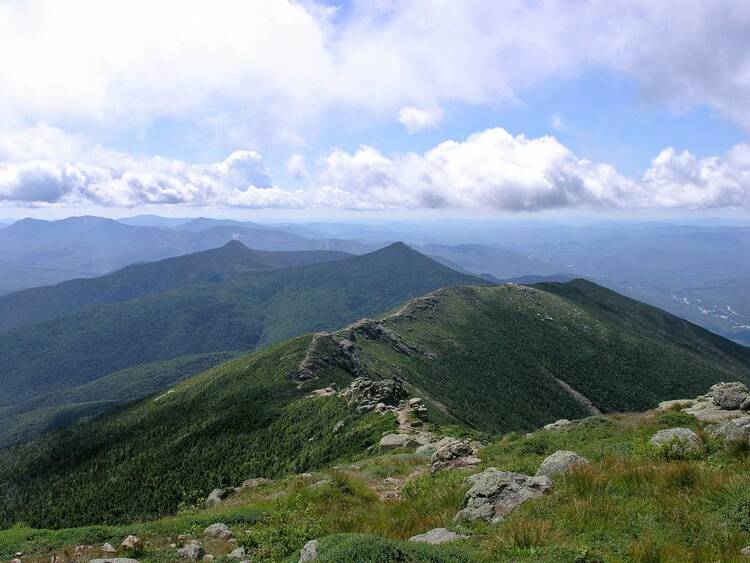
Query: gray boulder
[(735, 430), (192, 551), (560, 463), (394, 441), (454, 455), (729, 396), (219, 530), (437, 536), (677, 441), (132, 543), (238, 553), (309, 552), (216, 496), (558, 425), (494, 494)]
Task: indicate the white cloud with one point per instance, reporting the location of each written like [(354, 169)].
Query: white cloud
[(296, 167), (491, 169), (558, 123), (274, 65), (415, 119)]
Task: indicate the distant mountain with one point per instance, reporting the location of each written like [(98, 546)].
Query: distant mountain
[(211, 266), (501, 263), (203, 223), (494, 359), (153, 221), (47, 252), (241, 313)]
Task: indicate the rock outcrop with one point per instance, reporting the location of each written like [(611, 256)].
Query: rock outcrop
[(438, 536), (730, 396), (735, 430), (495, 493), (366, 394), (560, 463), (216, 496)]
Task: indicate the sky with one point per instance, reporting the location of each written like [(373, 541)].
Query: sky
[(409, 108)]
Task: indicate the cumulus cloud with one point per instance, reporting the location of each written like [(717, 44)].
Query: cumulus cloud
[(491, 169), (415, 119), (296, 167), (277, 64)]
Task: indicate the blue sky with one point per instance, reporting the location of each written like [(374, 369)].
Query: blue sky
[(411, 107)]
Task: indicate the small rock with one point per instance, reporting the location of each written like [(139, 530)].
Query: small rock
[(108, 548), (309, 552), (394, 441), (173, 545), (437, 536), (560, 463), (745, 552), (208, 557), (558, 424), (216, 496), (677, 441), (252, 483), (219, 530), (337, 427), (192, 551), (729, 396), (183, 537), (112, 560), (132, 543), (454, 455), (428, 450), (16, 560), (414, 401), (238, 553)]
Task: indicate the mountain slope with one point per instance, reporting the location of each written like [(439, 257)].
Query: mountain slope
[(238, 314), (215, 265), (494, 359)]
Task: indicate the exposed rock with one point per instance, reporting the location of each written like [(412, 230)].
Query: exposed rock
[(216, 496), (183, 537), (735, 430), (112, 560), (208, 557), (453, 456), (394, 441), (337, 427), (415, 401), (219, 530), (309, 552), (253, 483), (494, 494), (108, 548), (558, 424), (677, 441), (560, 463), (376, 330), (675, 403), (427, 450), (366, 394), (706, 411), (729, 396), (132, 543), (238, 553), (745, 552), (192, 551), (437, 536)]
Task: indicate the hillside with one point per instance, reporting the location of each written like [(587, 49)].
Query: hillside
[(241, 313), (486, 359), (211, 266)]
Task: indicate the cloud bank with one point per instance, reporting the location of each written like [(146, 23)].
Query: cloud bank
[(278, 63), (491, 169)]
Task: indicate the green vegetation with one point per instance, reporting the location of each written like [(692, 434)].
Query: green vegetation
[(626, 506), (485, 359), (61, 408), (241, 313)]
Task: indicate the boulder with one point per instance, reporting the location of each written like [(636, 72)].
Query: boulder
[(729, 396), (216, 496), (437, 536), (132, 543), (454, 455), (112, 560), (238, 553), (677, 441), (428, 450), (675, 403), (558, 424), (494, 494), (337, 427), (735, 430), (108, 548), (394, 441), (192, 551), (219, 530), (309, 552), (560, 463)]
